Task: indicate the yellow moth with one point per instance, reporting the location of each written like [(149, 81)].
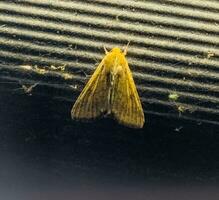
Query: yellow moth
[(111, 91)]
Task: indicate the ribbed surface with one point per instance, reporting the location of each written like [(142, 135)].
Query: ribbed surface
[(173, 49)]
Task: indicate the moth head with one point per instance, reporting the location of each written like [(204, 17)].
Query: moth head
[(116, 50), (115, 57)]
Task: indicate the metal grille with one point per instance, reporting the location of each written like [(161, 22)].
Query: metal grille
[(173, 49)]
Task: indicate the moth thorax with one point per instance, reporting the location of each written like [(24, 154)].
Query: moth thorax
[(118, 70)]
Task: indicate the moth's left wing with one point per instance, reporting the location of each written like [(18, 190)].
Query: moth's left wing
[(93, 100)]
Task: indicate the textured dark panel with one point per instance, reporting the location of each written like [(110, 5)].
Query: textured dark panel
[(173, 49)]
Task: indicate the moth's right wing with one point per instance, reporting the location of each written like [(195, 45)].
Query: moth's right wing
[(93, 100), (126, 106)]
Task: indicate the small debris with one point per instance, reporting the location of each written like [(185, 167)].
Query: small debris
[(199, 123), (117, 17), (181, 109), (210, 54), (27, 89), (173, 96), (26, 67), (61, 68), (67, 76), (178, 129), (75, 87), (39, 70)]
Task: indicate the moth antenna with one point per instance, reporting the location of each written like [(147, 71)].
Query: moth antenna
[(126, 48), (106, 51)]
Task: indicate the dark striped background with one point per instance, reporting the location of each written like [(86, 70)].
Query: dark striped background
[(173, 49)]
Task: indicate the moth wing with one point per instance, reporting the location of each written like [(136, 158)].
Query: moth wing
[(92, 102), (126, 106)]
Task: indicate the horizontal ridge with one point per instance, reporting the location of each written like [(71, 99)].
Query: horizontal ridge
[(173, 48)]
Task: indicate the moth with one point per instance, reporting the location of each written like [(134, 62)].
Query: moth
[(111, 91)]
